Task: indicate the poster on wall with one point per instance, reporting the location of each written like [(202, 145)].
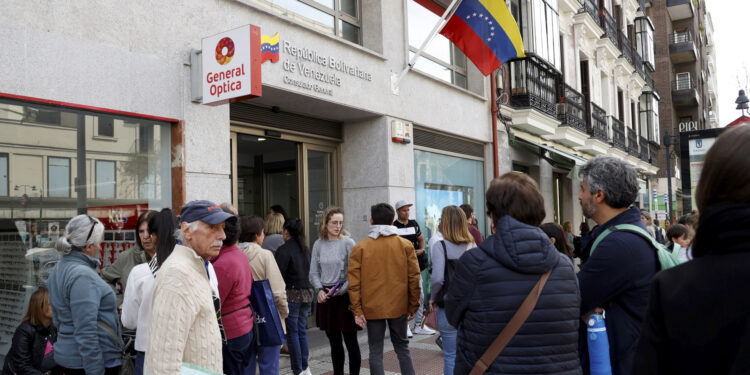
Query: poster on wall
[(438, 197), (693, 148)]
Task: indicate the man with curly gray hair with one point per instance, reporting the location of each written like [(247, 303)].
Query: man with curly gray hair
[(617, 274)]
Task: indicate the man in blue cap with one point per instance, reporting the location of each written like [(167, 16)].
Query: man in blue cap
[(185, 323)]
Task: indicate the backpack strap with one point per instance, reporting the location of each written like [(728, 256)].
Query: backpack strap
[(626, 228)]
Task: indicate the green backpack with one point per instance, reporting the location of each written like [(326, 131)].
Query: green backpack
[(667, 259)]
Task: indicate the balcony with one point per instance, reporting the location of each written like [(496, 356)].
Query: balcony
[(684, 92), (591, 7), (644, 149), (571, 110), (638, 64), (609, 26), (649, 80), (653, 153), (632, 143), (626, 47), (682, 48), (598, 128), (618, 133), (533, 85), (680, 9)]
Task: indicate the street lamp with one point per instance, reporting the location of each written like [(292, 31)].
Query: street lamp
[(669, 141)]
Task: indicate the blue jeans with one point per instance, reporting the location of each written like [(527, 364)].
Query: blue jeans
[(296, 335), (139, 358), (268, 360), (239, 355), (448, 333)]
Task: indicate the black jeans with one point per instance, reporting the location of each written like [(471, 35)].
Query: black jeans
[(337, 351), (375, 337)]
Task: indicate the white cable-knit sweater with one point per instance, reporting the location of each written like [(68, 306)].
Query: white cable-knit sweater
[(183, 326)]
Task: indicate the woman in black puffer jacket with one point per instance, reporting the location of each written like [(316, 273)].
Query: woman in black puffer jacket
[(31, 349), (492, 280)]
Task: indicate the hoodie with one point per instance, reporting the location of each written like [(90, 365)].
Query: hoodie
[(489, 285)]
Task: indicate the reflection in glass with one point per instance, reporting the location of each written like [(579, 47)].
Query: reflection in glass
[(350, 7), (59, 177), (105, 179), (349, 31), (320, 192), (4, 175)]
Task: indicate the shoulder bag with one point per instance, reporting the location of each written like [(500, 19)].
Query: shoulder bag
[(510, 330), (128, 360)]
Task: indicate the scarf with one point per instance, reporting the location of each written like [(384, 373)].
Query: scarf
[(723, 230)]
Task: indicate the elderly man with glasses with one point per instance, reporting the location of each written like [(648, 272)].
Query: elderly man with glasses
[(185, 324)]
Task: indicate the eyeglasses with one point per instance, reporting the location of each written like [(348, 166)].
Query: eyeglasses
[(93, 225)]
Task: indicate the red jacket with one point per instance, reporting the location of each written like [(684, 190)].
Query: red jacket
[(235, 281)]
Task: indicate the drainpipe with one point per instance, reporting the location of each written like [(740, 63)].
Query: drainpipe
[(493, 99)]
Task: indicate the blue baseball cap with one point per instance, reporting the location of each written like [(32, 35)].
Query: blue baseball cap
[(205, 211)]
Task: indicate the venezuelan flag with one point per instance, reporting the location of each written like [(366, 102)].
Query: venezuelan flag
[(269, 48), (486, 32)]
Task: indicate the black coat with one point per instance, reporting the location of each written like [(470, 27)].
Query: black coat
[(698, 317), (616, 277), (27, 349), (488, 287), (294, 264)]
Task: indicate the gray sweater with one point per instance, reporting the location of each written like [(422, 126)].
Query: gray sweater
[(438, 262), (330, 262)]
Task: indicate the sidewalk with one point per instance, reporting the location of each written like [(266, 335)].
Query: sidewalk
[(426, 355)]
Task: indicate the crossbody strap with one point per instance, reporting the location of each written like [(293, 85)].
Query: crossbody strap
[(513, 326), (110, 332)]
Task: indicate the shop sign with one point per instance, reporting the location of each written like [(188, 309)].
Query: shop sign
[(231, 65)]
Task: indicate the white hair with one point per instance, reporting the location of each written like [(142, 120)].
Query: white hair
[(179, 236), (77, 231)]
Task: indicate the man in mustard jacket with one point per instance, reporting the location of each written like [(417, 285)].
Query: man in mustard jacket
[(384, 287)]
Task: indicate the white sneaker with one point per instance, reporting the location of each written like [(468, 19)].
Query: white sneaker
[(424, 330), (306, 372), (408, 332)]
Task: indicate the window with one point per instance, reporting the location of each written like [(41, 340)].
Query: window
[(105, 179), (58, 175), (337, 17), (105, 126), (441, 58), (644, 41), (683, 81), (538, 23), (649, 116), (4, 185)]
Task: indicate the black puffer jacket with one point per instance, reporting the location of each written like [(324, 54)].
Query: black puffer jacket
[(490, 284), (27, 350), (294, 264)]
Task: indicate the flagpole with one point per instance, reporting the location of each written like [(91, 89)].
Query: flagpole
[(395, 81)]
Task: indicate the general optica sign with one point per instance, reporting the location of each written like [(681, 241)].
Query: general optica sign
[(231, 65)]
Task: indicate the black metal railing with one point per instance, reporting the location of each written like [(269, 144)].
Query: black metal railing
[(683, 83), (644, 148), (680, 37), (598, 128), (626, 47), (653, 153), (609, 26), (632, 142), (592, 8), (533, 85), (618, 133), (638, 64), (649, 79), (571, 111)]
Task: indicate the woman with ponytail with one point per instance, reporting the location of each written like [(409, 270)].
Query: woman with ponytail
[(84, 307), (293, 258), (136, 305)]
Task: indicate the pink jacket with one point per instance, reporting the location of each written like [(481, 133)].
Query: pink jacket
[(235, 281)]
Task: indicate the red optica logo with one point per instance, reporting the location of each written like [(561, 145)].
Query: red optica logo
[(224, 51)]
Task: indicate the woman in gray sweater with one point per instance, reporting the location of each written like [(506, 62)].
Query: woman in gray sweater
[(445, 254), (328, 267)]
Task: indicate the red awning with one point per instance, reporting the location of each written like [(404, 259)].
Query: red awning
[(742, 120)]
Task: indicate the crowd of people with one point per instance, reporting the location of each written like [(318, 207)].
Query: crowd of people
[(514, 302)]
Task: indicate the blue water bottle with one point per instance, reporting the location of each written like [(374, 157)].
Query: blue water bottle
[(598, 346)]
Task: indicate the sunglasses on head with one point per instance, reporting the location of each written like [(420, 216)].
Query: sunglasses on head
[(93, 225)]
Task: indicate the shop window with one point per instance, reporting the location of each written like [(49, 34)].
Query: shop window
[(58, 173), (337, 17), (4, 186), (441, 58), (443, 180), (105, 179)]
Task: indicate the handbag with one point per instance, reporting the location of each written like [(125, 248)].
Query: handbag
[(431, 320), (128, 360), (268, 328), (510, 330)]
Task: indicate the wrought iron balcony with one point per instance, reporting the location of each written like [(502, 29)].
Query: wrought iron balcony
[(571, 110), (632, 142), (598, 128), (626, 47), (609, 26), (533, 85), (649, 80), (653, 153), (682, 47), (618, 133), (644, 148), (638, 64), (592, 8)]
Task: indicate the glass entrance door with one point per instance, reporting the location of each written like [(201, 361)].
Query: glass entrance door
[(321, 189)]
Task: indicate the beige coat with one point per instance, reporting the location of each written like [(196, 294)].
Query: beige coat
[(264, 267), (183, 326)]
